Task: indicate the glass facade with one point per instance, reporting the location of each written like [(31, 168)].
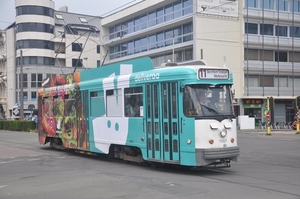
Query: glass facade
[(179, 56), (35, 60), (35, 27), (161, 39), (34, 10), (268, 29), (32, 43), (155, 17), (271, 81), (282, 5)]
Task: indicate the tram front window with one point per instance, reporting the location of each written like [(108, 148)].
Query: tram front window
[(207, 100)]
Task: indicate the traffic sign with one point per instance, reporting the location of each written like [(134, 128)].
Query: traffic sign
[(268, 115)]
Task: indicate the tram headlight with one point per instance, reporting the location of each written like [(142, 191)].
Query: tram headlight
[(188, 141), (223, 133)]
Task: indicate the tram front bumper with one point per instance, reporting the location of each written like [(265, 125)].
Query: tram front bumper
[(208, 156)]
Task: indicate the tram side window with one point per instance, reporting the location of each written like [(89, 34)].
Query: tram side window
[(97, 103), (113, 104), (70, 113), (58, 108), (47, 107), (133, 100)]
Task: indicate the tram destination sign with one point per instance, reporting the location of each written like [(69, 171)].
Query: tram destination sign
[(205, 73)]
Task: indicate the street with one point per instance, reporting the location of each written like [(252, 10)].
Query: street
[(268, 167)]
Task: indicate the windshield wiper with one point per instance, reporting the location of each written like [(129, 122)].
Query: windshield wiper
[(215, 111)]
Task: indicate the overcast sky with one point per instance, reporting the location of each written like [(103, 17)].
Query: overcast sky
[(89, 7)]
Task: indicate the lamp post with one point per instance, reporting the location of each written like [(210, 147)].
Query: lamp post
[(21, 87), (173, 55)]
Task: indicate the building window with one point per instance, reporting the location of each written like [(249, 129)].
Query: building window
[(281, 82), (154, 17), (266, 81), (33, 96), (294, 56), (76, 63), (251, 28), (188, 55), (25, 96), (282, 5), (25, 81), (180, 56), (187, 7), (98, 63), (295, 6), (35, 27), (59, 16), (36, 80), (281, 31), (34, 10), (266, 29), (251, 81), (267, 4), (32, 60), (33, 81), (294, 31), (266, 55), (251, 54), (251, 3), (76, 47), (83, 20), (31, 43), (154, 41), (98, 49), (280, 56)]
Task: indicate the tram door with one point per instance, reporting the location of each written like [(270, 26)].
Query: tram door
[(162, 122)]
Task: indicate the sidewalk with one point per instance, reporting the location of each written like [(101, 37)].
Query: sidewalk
[(273, 131)]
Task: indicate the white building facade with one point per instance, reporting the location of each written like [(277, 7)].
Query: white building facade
[(52, 42), (192, 29), (272, 57)]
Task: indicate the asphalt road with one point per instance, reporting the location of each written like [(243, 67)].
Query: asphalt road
[(268, 167)]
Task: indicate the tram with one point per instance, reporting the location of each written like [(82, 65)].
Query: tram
[(135, 112)]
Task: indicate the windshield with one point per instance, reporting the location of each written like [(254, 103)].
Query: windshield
[(207, 100)]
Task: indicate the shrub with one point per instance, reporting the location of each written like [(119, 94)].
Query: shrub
[(17, 125)]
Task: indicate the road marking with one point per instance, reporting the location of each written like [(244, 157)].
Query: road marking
[(2, 186), (3, 162)]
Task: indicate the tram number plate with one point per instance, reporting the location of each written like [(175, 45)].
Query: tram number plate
[(223, 140)]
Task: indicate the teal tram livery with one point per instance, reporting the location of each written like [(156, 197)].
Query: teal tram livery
[(179, 115)]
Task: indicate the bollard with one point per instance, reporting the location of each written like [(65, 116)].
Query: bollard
[(269, 128)]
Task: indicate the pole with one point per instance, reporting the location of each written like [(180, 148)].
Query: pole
[(173, 54), (298, 125), (21, 87), (269, 123)]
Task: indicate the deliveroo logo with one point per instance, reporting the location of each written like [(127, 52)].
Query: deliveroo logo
[(146, 77)]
